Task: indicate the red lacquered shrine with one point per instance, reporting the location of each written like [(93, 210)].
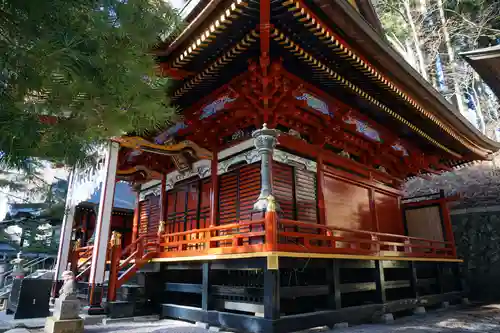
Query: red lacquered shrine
[(275, 205)]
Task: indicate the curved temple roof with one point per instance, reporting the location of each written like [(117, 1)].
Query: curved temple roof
[(486, 62), (332, 45)]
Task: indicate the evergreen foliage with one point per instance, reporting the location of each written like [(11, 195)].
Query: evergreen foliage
[(75, 72)]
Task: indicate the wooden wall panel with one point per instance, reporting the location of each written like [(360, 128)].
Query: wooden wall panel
[(347, 205), (249, 189), (192, 200), (206, 189), (238, 191), (228, 197), (389, 216), (305, 196), (143, 216), (154, 214), (283, 188), (425, 223)]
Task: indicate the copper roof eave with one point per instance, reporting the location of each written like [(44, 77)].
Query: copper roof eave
[(486, 62), (189, 30), (373, 46)]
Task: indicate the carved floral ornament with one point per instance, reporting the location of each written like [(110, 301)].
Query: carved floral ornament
[(202, 169)]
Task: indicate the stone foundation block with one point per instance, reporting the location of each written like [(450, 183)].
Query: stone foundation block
[(387, 318), (419, 311), (202, 325), (63, 326), (66, 309)]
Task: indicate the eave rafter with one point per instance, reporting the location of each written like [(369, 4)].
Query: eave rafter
[(218, 64), (311, 22), (209, 35), (321, 68)]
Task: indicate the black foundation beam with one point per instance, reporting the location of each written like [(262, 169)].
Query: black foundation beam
[(333, 280), (380, 282), (205, 286), (412, 266), (271, 294)]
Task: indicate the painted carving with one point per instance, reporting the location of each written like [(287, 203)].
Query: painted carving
[(363, 128), (287, 158), (216, 106), (314, 103), (169, 132), (138, 143), (294, 133), (401, 148), (345, 154), (249, 157), (238, 135)]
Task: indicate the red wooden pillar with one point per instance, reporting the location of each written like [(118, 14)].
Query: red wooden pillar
[(135, 222), (214, 197), (320, 176), (448, 229)]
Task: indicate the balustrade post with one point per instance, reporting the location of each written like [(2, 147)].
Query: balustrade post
[(116, 249), (271, 225)]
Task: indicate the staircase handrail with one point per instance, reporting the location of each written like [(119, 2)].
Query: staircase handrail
[(29, 266)]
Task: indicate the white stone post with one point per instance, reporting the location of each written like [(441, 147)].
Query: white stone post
[(66, 233), (102, 229)]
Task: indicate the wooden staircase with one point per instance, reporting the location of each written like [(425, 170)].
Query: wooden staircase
[(122, 263)]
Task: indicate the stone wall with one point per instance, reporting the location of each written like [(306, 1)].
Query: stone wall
[(475, 219), (477, 235)]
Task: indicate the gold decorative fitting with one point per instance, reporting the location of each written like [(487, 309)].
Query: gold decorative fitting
[(161, 228), (116, 238), (271, 204)]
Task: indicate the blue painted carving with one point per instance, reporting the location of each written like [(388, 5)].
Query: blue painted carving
[(401, 148), (170, 132), (314, 103), (364, 128), (216, 106)]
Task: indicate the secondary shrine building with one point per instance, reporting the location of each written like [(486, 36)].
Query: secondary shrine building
[(275, 204)]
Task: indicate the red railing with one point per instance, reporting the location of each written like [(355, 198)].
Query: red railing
[(242, 237), (273, 234), (294, 236)]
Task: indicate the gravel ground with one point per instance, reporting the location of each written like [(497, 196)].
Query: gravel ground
[(484, 319)]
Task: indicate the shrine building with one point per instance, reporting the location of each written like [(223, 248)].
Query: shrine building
[(275, 203)]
